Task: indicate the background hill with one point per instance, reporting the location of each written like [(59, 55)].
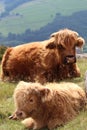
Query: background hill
[(32, 20)]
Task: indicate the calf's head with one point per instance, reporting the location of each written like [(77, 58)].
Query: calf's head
[(29, 98), (66, 42)]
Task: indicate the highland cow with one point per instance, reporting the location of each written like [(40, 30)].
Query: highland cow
[(48, 106), (45, 61)]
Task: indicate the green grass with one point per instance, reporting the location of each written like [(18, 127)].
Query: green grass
[(7, 105), (37, 14)]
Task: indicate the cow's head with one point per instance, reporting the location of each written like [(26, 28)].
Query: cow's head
[(66, 42)]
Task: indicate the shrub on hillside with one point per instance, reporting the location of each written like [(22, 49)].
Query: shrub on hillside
[(2, 50)]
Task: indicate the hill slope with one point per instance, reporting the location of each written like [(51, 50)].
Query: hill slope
[(36, 14)]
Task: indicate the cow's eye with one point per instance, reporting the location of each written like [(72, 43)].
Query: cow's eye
[(61, 47)]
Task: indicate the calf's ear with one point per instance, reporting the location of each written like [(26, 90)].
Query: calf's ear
[(45, 94), (80, 42)]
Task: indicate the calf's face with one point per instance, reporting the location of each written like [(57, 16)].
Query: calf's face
[(26, 105), (66, 42), (28, 101)]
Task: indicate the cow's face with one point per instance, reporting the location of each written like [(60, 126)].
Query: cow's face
[(66, 42)]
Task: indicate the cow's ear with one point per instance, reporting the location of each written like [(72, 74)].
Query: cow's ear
[(54, 34), (45, 94), (51, 45), (80, 42), (57, 37)]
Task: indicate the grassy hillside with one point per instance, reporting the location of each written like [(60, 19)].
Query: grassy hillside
[(1, 7), (7, 105), (38, 13), (35, 20)]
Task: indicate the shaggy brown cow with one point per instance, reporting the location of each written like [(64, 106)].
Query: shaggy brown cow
[(47, 106), (44, 61)]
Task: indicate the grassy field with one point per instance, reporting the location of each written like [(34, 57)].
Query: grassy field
[(37, 14), (7, 105)]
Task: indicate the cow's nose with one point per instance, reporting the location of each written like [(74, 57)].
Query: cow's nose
[(69, 59)]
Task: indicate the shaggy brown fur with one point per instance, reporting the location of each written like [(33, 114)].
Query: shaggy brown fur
[(47, 106), (45, 61)]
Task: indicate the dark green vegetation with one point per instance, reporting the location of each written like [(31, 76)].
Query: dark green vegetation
[(32, 20), (2, 50), (7, 105)]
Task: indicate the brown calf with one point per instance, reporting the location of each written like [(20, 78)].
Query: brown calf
[(49, 106)]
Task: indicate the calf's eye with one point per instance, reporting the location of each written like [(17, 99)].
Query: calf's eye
[(31, 100)]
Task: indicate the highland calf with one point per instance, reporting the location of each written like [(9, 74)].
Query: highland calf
[(47, 106), (45, 61)]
